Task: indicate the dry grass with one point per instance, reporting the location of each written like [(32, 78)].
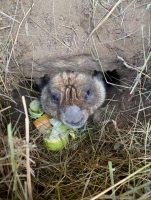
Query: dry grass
[(110, 160), (81, 171)]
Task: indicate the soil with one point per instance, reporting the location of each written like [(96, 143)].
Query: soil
[(52, 36), (55, 33)]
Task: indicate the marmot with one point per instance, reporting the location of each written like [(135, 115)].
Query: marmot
[(72, 97)]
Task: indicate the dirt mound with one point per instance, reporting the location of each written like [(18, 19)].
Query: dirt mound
[(49, 35)]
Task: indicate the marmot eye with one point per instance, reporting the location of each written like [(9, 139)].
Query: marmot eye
[(88, 92), (55, 97)]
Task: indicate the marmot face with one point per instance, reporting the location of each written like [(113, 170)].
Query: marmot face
[(72, 97)]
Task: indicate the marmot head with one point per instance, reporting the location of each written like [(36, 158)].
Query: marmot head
[(72, 97)]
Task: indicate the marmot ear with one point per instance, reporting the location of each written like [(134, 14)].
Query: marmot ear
[(39, 83), (97, 74), (109, 77)]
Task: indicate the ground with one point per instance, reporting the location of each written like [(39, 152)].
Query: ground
[(41, 37)]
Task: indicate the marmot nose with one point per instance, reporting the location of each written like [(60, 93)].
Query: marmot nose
[(73, 115)]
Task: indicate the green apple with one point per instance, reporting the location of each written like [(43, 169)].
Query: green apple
[(34, 109), (59, 137), (56, 143)]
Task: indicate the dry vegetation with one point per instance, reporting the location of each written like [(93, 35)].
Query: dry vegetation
[(110, 160)]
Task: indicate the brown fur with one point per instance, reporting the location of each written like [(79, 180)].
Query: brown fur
[(74, 93)]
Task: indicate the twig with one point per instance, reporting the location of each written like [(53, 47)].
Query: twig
[(86, 184), (27, 149), (4, 27), (141, 72), (11, 145), (140, 187), (15, 41), (138, 69), (121, 38), (3, 95), (120, 182), (1, 12), (105, 18), (51, 35), (5, 109), (54, 20), (112, 179)]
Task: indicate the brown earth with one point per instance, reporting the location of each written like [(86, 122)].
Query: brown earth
[(55, 35), (49, 36)]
